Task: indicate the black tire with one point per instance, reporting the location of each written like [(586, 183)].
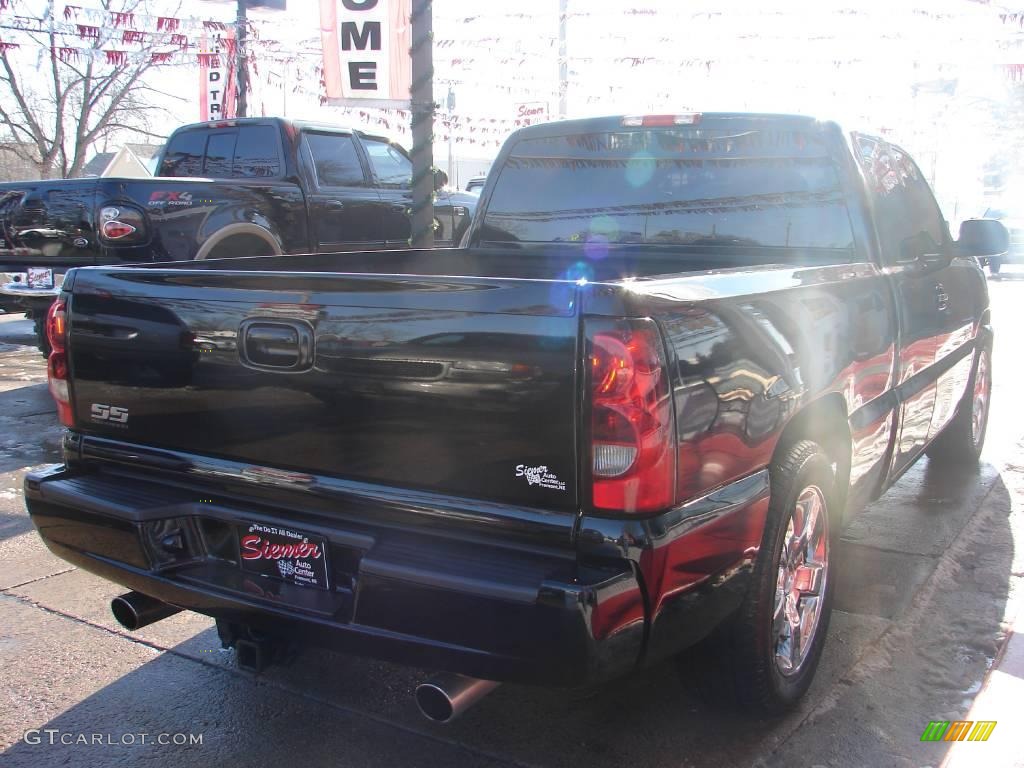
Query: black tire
[(963, 439), (994, 265), (737, 665), (42, 342)]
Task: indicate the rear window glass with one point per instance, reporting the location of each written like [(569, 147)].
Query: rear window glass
[(220, 148), (256, 154), (677, 186), (184, 156), (250, 151)]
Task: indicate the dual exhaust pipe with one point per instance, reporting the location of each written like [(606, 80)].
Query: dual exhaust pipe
[(441, 699)]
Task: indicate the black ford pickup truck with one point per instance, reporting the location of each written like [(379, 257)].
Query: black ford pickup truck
[(247, 187), (631, 416)]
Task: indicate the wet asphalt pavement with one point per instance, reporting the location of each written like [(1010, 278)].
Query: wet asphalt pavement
[(930, 579)]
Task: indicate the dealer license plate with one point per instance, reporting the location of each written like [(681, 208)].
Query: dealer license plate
[(39, 277), (282, 553)]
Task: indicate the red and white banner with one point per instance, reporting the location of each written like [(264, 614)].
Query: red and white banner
[(366, 52), (217, 94)]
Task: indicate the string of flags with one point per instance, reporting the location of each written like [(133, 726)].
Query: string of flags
[(120, 38), (98, 17), (171, 40)]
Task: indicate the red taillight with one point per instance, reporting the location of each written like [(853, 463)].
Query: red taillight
[(57, 365), (56, 325), (631, 436), (115, 230)]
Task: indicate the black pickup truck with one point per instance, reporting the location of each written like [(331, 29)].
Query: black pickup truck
[(631, 416), (223, 189)]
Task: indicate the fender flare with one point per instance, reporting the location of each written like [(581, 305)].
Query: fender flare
[(234, 230)]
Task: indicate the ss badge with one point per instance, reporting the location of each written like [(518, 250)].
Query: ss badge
[(108, 414)]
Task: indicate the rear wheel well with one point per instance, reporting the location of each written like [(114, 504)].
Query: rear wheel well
[(825, 422), (240, 240), (238, 246)]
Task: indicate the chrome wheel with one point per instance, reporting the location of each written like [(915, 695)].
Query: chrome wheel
[(802, 578), (982, 393)]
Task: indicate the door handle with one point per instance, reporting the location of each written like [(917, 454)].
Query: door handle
[(336, 205), (400, 209), (941, 297), (276, 345)]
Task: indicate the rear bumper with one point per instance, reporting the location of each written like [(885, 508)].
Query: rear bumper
[(14, 290), (402, 594)]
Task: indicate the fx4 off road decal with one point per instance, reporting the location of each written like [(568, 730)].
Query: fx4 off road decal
[(170, 199)]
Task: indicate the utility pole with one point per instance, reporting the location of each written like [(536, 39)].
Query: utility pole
[(421, 92), (240, 64), (563, 61), (450, 104)]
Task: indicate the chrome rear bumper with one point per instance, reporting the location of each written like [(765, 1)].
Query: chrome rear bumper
[(16, 284)]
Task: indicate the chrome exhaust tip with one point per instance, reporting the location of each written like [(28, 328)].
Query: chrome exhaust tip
[(446, 696), (135, 610)]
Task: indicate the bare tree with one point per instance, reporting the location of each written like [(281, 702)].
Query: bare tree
[(57, 105)]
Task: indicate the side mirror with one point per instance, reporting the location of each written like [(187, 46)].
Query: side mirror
[(440, 179), (983, 237)]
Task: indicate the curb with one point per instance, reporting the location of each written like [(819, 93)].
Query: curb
[(999, 699)]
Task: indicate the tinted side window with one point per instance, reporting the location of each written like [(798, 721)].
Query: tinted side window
[(390, 166), (908, 218), (256, 154), (335, 160), (220, 148), (924, 208), (184, 156)]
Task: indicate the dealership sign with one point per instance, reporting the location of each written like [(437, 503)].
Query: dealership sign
[(366, 52), (217, 96), (532, 112)]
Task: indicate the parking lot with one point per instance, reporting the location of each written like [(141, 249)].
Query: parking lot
[(929, 586)]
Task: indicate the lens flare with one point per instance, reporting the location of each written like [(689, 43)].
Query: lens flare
[(640, 169)]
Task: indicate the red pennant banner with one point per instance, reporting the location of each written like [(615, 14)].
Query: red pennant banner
[(167, 24), (5, 47), (71, 11), (118, 58), (88, 33), (162, 58), (208, 60), (122, 19), (133, 36), (66, 54), (180, 40)]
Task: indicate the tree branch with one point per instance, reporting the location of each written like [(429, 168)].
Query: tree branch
[(60, 110)]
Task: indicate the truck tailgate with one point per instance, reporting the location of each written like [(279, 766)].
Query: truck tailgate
[(457, 385)]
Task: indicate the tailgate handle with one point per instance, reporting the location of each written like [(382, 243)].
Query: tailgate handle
[(276, 345)]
